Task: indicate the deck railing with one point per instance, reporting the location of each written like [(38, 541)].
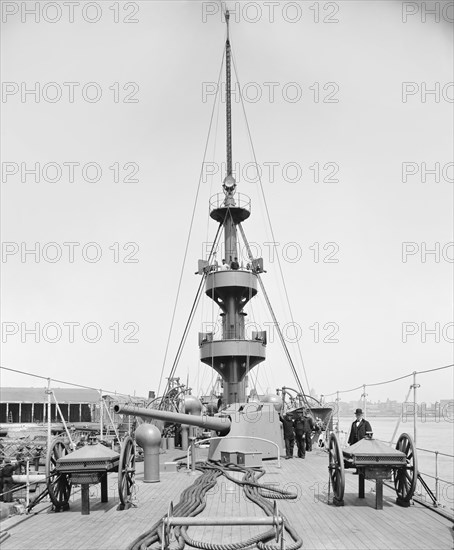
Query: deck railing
[(436, 477), (241, 201)]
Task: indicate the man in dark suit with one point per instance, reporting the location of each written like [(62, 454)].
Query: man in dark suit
[(289, 435), (359, 428), (300, 424), (308, 428)]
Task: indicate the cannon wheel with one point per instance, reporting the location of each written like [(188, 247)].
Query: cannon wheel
[(126, 472), (405, 478), (336, 470), (58, 484)]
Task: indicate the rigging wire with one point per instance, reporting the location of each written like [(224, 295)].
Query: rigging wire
[(389, 381), (47, 378), (191, 314), (268, 217), (281, 337), (190, 228), (204, 367)]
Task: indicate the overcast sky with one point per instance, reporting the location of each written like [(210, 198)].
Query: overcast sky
[(346, 101)]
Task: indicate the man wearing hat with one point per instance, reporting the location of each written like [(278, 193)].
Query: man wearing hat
[(303, 427), (359, 428), (289, 435)]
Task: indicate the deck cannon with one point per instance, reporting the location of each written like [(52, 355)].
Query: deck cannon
[(245, 427), (219, 424)]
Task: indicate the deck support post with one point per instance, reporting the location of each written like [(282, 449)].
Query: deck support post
[(379, 494), (85, 489), (361, 478), (104, 491)]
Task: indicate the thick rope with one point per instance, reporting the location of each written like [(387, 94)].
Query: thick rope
[(192, 502)]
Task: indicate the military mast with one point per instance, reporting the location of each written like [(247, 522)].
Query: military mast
[(233, 355)]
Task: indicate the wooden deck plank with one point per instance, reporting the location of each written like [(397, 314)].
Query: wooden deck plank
[(348, 528), (356, 526)]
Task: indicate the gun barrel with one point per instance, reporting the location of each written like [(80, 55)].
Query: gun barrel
[(219, 424)]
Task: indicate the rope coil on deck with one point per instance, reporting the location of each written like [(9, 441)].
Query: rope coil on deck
[(192, 502)]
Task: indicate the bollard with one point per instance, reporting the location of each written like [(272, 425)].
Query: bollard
[(149, 438)]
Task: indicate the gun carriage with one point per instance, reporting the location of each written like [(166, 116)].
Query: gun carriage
[(374, 459), (87, 466)]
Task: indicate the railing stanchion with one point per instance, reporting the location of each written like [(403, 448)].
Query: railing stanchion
[(101, 416), (415, 406), (364, 400), (27, 493), (436, 476), (49, 419)]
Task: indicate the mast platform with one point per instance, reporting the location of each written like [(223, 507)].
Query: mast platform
[(239, 283), (249, 353), (239, 211)]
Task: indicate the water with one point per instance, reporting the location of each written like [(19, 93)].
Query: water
[(431, 436)]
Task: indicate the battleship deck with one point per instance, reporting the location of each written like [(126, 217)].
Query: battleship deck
[(357, 525)]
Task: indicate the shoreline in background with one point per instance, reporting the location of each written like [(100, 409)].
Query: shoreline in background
[(422, 420)]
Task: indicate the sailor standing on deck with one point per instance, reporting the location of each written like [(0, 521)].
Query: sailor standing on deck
[(359, 428), (308, 429), (300, 434), (289, 435)]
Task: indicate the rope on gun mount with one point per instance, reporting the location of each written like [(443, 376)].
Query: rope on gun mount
[(192, 502)]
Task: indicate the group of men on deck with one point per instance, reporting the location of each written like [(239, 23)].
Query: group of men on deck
[(300, 430)]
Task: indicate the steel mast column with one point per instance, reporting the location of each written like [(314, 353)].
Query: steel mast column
[(231, 356), (228, 100), (230, 236)]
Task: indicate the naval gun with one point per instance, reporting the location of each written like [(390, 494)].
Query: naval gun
[(219, 424), (243, 427)]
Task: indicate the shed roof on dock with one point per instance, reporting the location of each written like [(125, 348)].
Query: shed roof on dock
[(38, 395)]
